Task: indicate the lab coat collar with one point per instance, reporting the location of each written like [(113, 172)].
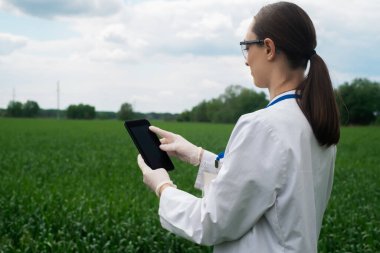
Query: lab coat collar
[(282, 94)]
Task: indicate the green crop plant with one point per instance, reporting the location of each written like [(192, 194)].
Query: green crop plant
[(74, 186)]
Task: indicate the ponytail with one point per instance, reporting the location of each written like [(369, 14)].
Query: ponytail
[(293, 33), (318, 102)]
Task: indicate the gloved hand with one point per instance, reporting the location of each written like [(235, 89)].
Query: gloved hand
[(178, 146), (154, 179)]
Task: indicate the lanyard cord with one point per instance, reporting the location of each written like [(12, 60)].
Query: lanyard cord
[(283, 98), (220, 156)]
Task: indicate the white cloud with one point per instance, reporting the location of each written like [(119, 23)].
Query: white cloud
[(243, 27), (166, 93), (114, 33), (210, 26), (166, 55), (112, 55), (207, 83), (48, 8), (10, 43)]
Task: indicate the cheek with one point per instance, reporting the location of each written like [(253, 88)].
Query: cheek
[(257, 70), (256, 73), (253, 67)]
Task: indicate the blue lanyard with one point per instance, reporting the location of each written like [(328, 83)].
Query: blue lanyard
[(220, 156), (283, 98)]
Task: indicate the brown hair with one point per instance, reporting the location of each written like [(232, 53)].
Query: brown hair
[(293, 34)]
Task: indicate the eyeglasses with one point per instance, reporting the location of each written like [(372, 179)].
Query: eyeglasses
[(245, 46)]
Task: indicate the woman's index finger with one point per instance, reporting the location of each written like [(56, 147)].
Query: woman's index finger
[(160, 131)]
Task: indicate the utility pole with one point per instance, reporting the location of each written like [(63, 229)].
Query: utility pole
[(58, 100), (14, 95)]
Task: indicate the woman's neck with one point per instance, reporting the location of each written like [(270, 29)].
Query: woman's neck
[(285, 82), (284, 88)]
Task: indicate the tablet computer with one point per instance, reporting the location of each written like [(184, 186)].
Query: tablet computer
[(148, 144)]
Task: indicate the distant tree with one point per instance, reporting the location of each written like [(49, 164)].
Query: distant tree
[(228, 107), (88, 111), (71, 112), (359, 101), (199, 112), (249, 101), (156, 116), (14, 109), (30, 109), (105, 115), (80, 111), (215, 110), (125, 112), (140, 115), (184, 116), (50, 113), (239, 100)]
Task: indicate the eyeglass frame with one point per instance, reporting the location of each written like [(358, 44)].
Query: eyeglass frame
[(247, 43)]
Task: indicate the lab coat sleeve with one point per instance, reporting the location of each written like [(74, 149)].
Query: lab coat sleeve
[(331, 177), (246, 186), (207, 164)]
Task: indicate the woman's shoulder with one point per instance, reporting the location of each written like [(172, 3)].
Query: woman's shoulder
[(258, 119), (255, 130), (254, 123), (288, 114), (280, 121)]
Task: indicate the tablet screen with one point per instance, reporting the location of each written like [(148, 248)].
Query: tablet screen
[(148, 145)]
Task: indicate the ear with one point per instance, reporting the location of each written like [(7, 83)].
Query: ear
[(270, 49)]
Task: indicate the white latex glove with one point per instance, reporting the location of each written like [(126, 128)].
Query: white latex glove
[(154, 179), (178, 146)]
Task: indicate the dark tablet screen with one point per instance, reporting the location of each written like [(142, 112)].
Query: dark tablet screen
[(148, 144)]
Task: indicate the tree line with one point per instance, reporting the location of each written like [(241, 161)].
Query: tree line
[(31, 109), (228, 107), (358, 102), (28, 109)]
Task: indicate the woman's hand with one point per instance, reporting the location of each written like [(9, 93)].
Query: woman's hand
[(157, 180), (178, 146)]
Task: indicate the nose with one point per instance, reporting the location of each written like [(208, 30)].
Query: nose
[(246, 63)]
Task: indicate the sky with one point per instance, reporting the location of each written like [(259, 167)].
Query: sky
[(159, 55)]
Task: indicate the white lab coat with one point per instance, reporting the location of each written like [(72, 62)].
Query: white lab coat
[(268, 196)]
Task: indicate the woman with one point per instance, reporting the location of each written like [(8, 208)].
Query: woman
[(274, 182)]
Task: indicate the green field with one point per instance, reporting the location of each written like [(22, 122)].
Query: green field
[(74, 186)]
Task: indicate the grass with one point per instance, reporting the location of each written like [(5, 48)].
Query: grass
[(352, 220), (74, 186)]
